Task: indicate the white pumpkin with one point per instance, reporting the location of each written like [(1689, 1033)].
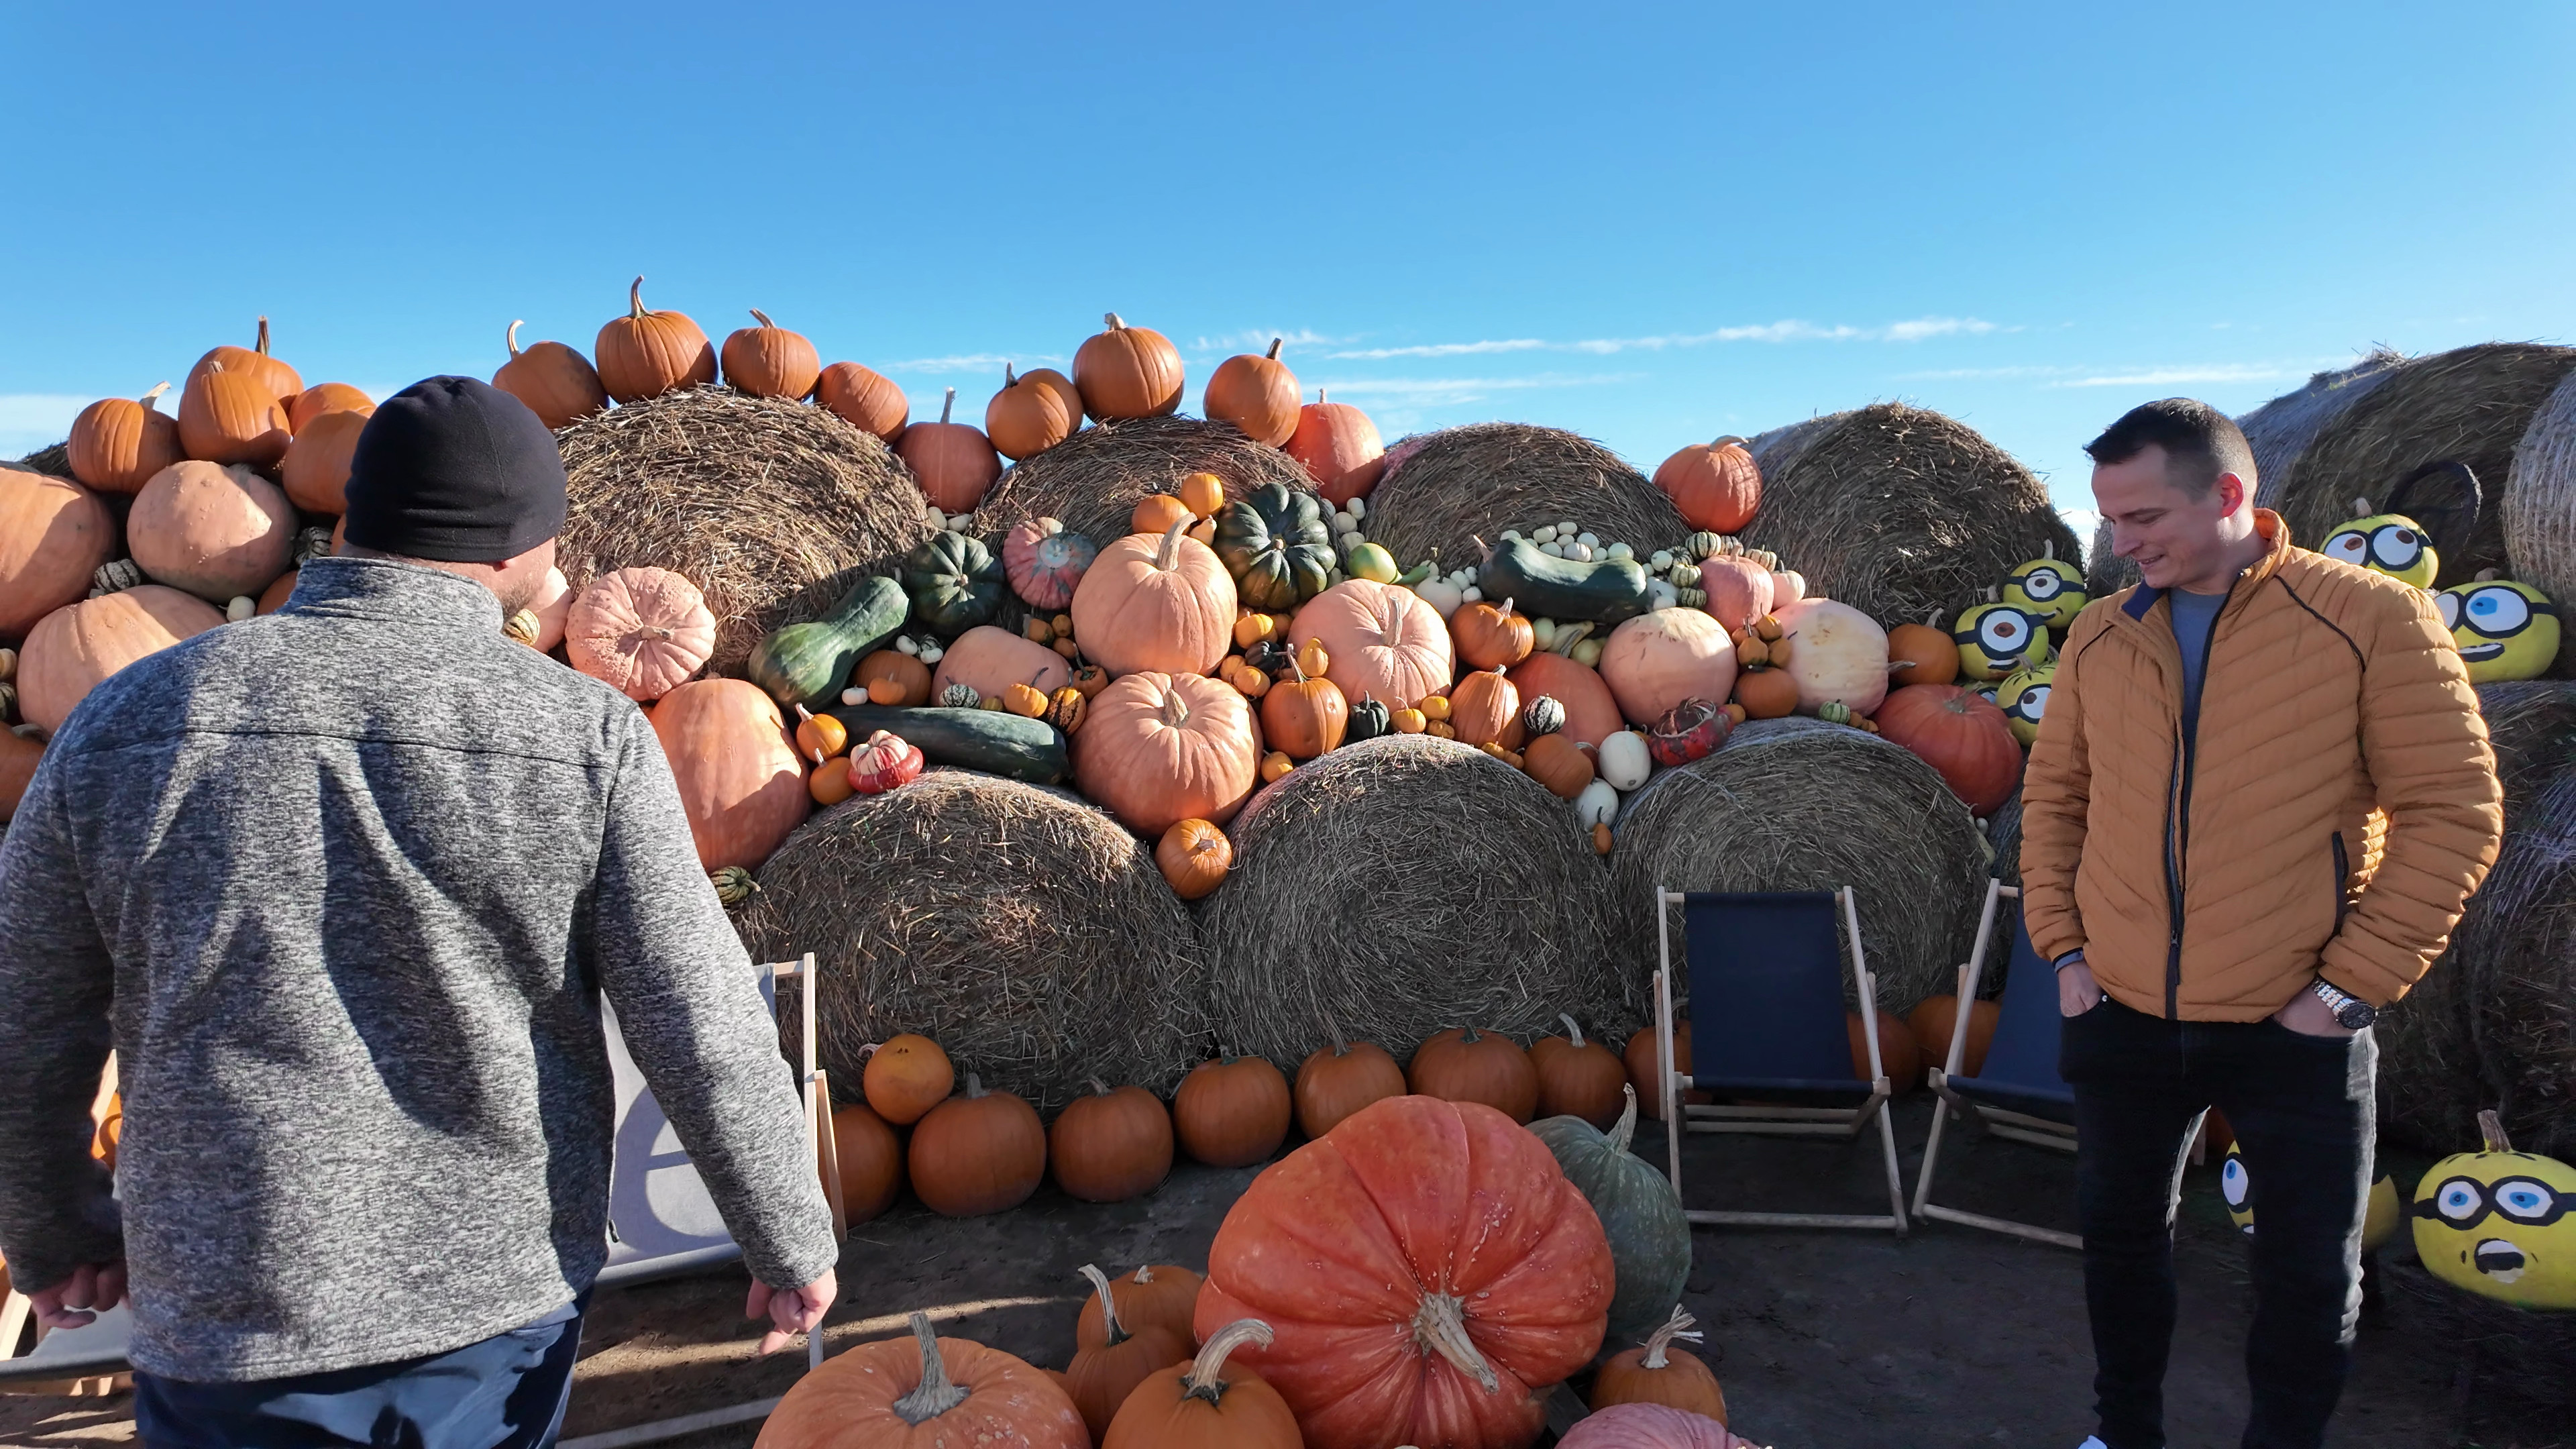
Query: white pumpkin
[(1442, 595), (1840, 655), (1624, 762)]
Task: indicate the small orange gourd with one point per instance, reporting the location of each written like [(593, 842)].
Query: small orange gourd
[(1193, 1405), (1202, 493), (1491, 636), (1560, 764), (1659, 1373), (906, 1076), (1157, 512), (1194, 856)]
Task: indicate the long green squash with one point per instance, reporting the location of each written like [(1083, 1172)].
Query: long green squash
[(993, 741), (1542, 586), (802, 663), (1650, 1243)]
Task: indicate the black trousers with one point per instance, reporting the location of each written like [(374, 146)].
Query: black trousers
[(2302, 1110)]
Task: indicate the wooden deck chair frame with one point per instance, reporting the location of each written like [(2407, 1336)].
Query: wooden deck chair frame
[(1843, 1122), (2019, 1126)]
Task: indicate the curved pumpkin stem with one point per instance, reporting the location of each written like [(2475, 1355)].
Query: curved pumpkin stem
[(1098, 1087), (1731, 438), (936, 1394), (1439, 1327), (974, 1083), (1319, 397), (1273, 353), (1573, 1031), (1111, 318), (947, 404), (2491, 1127), (1202, 1381), (635, 299), (1167, 557), (1626, 1127), (510, 337), (158, 388), (1176, 710), (1010, 380), (262, 346), (2048, 548), (761, 317), (1118, 1333), (1660, 1341), (2360, 506), (1143, 1274)]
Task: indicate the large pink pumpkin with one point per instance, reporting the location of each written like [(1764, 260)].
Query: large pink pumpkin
[(53, 535), (1381, 642), (1156, 749), (76, 647), (1657, 660), (218, 532), (740, 781), (989, 659), (644, 630), (1739, 590), (553, 608), (1836, 654)]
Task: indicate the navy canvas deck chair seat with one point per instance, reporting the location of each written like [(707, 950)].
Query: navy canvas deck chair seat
[(1768, 1032), (2016, 1092)]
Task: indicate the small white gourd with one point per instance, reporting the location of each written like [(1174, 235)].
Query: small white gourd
[(904, 644), (1587, 653), (1545, 533), (1357, 508), (1471, 593), (932, 653), (1552, 549), (242, 607), (1621, 550), (1542, 633), (1565, 529), (1660, 560), (1443, 596), (938, 520), (1587, 540), (1624, 761), (1597, 805), (854, 696), (1662, 595)]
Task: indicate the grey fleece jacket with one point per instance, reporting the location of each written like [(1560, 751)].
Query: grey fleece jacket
[(343, 885)]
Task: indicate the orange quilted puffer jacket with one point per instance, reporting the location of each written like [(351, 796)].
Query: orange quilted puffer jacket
[(2339, 807)]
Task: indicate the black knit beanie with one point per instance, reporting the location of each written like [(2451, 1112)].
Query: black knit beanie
[(455, 470)]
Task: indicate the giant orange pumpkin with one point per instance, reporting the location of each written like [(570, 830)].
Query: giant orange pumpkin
[(217, 532), (1159, 748), (1338, 1080), (642, 630), (1960, 733), (76, 647), (1110, 1146), (1195, 1405), (254, 362), (118, 443), (1232, 1112), (53, 535), (316, 468), (770, 361), (924, 1392), (953, 462), (231, 417), (1428, 1271), (556, 382), (1033, 412), (1655, 661), (1715, 486), (1463, 1064), (864, 398), (1128, 372), (645, 354), (1256, 394), (1340, 449), (741, 785), (1381, 641), (978, 1152), (1591, 711), (1162, 604)]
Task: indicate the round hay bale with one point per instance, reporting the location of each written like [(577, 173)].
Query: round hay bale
[(772, 508), (2430, 1088), (2540, 503), (2003, 837), (2280, 430), (1403, 885), (55, 461), (2470, 405), (1094, 479), (1896, 510), (2518, 1359), (1018, 927), (2518, 937), (1801, 805), (1446, 490)]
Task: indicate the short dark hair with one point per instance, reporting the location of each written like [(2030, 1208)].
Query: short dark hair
[(2200, 443)]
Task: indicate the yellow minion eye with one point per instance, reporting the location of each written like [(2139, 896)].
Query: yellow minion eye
[(2351, 546), (2495, 611), (2042, 585), (2233, 1184), (2456, 1201)]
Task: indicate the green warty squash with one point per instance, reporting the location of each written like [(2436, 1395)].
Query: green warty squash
[(1650, 1245), (1274, 542), (955, 583)]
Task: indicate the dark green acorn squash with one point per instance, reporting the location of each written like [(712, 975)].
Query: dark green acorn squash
[(955, 583), (1543, 586), (1274, 542), (802, 663), (1650, 1244), (994, 741), (1369, 718)]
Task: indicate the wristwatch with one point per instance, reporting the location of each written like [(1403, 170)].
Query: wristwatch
[(2350, 1011)]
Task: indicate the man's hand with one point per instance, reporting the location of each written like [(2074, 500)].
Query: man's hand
[(2078, 992), (92, 1289), (2309, 1016), (790, 1311)]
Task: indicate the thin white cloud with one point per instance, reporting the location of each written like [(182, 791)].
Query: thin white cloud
[(1786, 330), (1948, 373), (1924, 327), (1453, 391), (1257, 339), (35, 411), (1444, 349), (968, 362), (2168, 376)]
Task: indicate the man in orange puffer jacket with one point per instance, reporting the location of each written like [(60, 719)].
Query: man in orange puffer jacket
[(2260, 799)]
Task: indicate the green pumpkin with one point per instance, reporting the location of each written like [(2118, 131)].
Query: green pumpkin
[(1641, 1214), (1369, 718), (1273, 540), (801, 663), (1704, 545), (955, 583)]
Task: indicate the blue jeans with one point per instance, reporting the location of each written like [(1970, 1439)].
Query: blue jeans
[(2302, 1110), (506, 1392)]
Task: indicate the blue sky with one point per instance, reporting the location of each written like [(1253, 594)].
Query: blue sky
[(1651, 224)]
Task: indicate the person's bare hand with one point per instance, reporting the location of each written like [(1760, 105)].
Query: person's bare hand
[(2077, 991), (790, 1311), (92, 1289), (2309, 1016)]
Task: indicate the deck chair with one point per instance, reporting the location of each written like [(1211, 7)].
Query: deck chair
[(1767, 1023), (2017, 1092)]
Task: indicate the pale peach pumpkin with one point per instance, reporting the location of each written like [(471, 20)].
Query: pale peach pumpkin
[(643, 630), (75, 648), (740, 782), (992, 659), (1155, 749), (217, 532), (53, 535), (1381, 642), (1657, 660), (1161, 604)]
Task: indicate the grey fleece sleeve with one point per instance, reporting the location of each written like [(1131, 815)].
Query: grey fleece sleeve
[(56, 984), (692, 1016)]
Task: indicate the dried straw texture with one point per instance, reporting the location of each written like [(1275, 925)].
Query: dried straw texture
[(1018, 927), (2280, 430), (2518, 939), (55, 461), (1094, 479), (2540, 504), (2517, 1359), (2003, 832), (2430, 1088), (2470, 405), (1403, 885), (1801, 805), (1446, 490), (773, 508), (1897, 511)]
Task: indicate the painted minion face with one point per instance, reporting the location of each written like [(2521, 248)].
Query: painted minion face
[(2048, 589), (2500, 1224), (2386, 543), (2505, 630), (2023, 697), (2235, 1186), (2380, 1216), (1993, 639)]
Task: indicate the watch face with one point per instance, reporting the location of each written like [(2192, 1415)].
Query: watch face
[(2354, 1015)]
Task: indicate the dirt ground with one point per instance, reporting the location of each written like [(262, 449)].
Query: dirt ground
[(1824, 1340)]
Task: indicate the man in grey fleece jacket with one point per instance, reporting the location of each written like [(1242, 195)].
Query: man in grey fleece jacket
[(344, 887)]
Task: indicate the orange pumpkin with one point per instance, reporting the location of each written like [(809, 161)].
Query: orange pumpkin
[(1772, 694), (316, 467), (1111, 1145), (72, 650), (274, 597), (556, 382), (1102, 1375), (990, 659), (1302, 717), (1640, 1058), (1485, 709), (1579, 1078), (907, 1075), (1384, 641), (1257, 394), (893, 677), (281, 380), (217, 532), (1560, 764), (1446, 1274), (770, 361), (1033, 412), (1128, 372), (1194, 1405), (53, 535), (1463, 1064), (741, 784), (1660, 1373), (1491, 636), (864, 398), (976, 1153), (925, 1392), (118, 443), (19, 757), (1155, 513), (1591, 711), (1194, 856), (231, 417), (1339, 448), (646, 354), (1232, 1112), (1935, 1019), (1655, 661), (870, 1159), (1340, 1079), (642, 630), (323, 398), (1922, 653), (1163, 604), (1161, 748), (953, 462), (1715, 486), (1159, 1293), (1960, 733), (1896, 1049)]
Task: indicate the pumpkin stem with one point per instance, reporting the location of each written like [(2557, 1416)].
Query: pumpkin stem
[(1168, 557), (1626, 1126), (1439, 1327), (2491, 1127), (947, 403), (1112, 319), (1118, 1333), (1143, 1274), (2360, 506), (974, 1083), (1201, 1382), (1661, 1339), (1011, 380), (1098, 1087), (510, 336), (1176, 711), (635, 299), (1573, 1032), (262, 347), (761, 317), (2484, 575), (158, 388), (1273, 354), (935, 1395), (2048, 548), (1319, 397)]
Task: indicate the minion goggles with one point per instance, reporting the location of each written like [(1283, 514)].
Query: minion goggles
[(2465, 1202)]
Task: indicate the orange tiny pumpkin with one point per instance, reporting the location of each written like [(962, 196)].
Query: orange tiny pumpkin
[(1463, 1064), (1160, 1293), (1194, 857), (1033, 412), (1659, 1373), (1157, 512), (770, 361), (1491, 636), (864, 399), (1232, 1112), (1304, 717), (906, 679), (1485, 708), (953, 462), (829, 781), (1110, 1146), (1340, 1079), (556, 382), (1202, 493), (906, 1075), (1257, 394), (645, 354), (1128, 372), (1560, 764), (118, 443), (1767, 693)]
